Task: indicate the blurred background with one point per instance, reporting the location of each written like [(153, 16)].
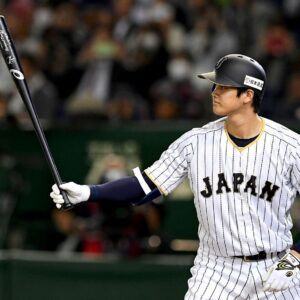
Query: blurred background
[(114, 83)]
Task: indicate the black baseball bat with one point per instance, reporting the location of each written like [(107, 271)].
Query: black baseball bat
[(11, 59)]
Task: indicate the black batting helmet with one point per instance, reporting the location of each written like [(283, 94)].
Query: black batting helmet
[(238, 71)]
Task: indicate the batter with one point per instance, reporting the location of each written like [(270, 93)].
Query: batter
[(244, 172)]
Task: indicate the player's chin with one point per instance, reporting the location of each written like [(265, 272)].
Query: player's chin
[(219, 112)]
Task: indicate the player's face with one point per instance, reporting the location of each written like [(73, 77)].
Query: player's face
[(225, 100)]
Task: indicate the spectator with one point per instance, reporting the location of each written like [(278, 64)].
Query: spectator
[(277, 46), (145, 59), (60, 44), (98, 58), (123, 21), (174, 97), (126, 105), (173, 33), (291, 102)]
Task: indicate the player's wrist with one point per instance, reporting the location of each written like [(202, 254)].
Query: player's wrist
[(86, 193), (295, 253), (292, 258)]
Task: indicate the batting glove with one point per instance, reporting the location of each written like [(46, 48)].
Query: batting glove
[(282, 273), (76, 193)]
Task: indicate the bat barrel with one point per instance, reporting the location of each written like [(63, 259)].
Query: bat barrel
[(12, 61)]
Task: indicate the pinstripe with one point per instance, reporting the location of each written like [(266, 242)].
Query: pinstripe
[(255, 286), (235, 211), (163, 161), (197, 172), (197, 272), (276, 170), (295, 165), (190, 175), (246, 282), (259, 222), (220, 197), (203, 274), (218, 282), (246, 171), (284, 295), (281, 190), (237, 280), (206, 211), (270, 158), (296, 284), (204, 200), (171, 162), (181, 142), (208, 281), (231, 270), (283, 133), (175, 170), (213, 203), (249, 197), (290, 293), (229, 219), (275, 136), (242, 205)]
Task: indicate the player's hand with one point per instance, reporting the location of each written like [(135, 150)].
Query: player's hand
[(76, 193), (281, 273)]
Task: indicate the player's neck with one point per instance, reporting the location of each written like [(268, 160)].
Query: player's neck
[(244, 126)]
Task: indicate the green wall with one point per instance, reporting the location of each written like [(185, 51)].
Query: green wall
[(50, 278), (71, 149)]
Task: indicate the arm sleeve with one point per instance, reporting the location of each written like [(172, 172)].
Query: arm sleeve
[(172, 167), (126, 190)]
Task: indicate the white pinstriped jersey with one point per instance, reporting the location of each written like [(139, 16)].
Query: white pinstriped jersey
[(243, 196)]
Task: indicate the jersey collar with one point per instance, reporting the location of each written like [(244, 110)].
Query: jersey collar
[(240, 149)]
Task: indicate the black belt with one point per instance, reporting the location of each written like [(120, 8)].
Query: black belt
[(261, 256)]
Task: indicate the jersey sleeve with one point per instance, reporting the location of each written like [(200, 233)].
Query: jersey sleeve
[(172, 167), (295, 170)]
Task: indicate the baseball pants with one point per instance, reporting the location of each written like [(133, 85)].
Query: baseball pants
[(225, 278)]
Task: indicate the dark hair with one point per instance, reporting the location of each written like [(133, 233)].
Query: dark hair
[(256, 99)]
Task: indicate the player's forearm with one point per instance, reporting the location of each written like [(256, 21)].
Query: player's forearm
[(125, 190)]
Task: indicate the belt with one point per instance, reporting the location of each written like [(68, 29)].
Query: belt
[(261, 256)]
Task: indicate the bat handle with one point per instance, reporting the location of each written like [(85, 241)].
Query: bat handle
[(67, 205)]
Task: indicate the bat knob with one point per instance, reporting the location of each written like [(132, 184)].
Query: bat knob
[(67, 206)]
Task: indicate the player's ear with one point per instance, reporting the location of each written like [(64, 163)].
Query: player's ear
[(249, 96)]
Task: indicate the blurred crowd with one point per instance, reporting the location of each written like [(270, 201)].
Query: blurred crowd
[(123, 60), (135, 60)]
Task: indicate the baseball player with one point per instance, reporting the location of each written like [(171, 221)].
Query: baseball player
[(244, 171)]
